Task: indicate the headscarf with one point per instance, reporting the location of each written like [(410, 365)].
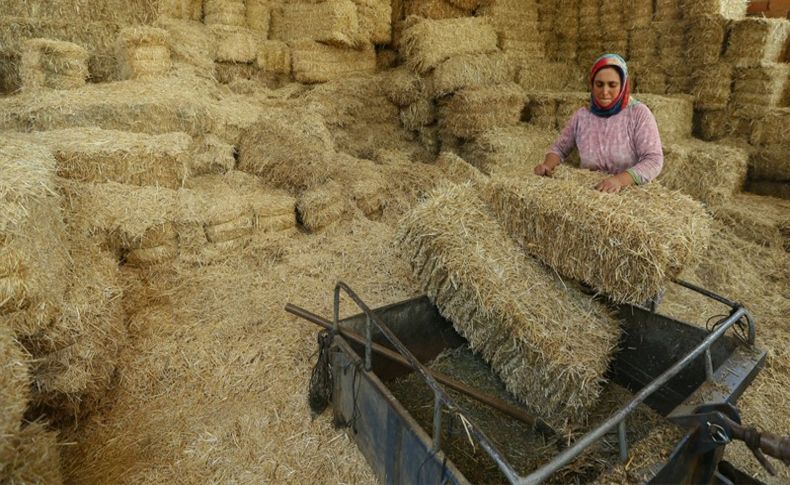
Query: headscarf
[(623, 99)]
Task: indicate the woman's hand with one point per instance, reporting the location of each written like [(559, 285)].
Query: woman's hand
[(544, 170), (611, 185)]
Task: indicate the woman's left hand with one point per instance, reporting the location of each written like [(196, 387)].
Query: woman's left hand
[(611, 185)]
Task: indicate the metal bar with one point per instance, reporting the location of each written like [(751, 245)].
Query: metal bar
[(496, 403), (481, 437), (622, 439), (368, 342), (707, 293), (574, 451), (708, 365), (437, 423)]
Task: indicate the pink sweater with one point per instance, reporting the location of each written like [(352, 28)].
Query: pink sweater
[(627, 141)]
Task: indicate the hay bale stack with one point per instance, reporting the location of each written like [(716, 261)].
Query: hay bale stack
[(728, 9), (770, 163), (674, 115), (142, 52), (647, 78), (274, 57), (472, 111), (642, 44), (509, 149), (552, 76), (760, 86), (627, 246), (375, 20), (771, 129), (433, 9), (459, 171), (97, 155), (470, 71), (713, 124), (754, 41), (549, 345), (418, 114), (709, 172), (15, 382), (190, 42), (236, 44), (427, 43), (323, 206), (288, 149), (514, 20), (705, 39), (780, 190), (33, 254), (212, 155), (332, 22), (668, 10), (314, 62), (180, 9), (712, 86), (31, 455), (53, 64), (764, 220), (258, 16), (402, 86), (224, 12)]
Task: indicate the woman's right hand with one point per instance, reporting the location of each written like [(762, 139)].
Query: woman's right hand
[(544, 170)]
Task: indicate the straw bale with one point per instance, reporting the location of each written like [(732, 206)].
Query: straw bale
[(642, 43), (224, 12), (288, 149), (323, 206), (712, 86), (728, 9), (780, 190), (317, 63), (647, 78), (659, 231), (97, 155), (386, 58), (15, 382), (180, 10), (523, 50), (771, 129), (713, 124), (190, 42), (511, 149), (637, 13), (258, 16), (763, 85), (471, 111), (31, 455), (232, 229), (709, 172), (402, 86), (274, 56), (667, 10), (120, 11), (427, 43), (512, 19), (236, 44), (459, 171), (705, 39), (673, 114), (757, 40), (483, 283), (552, 76), (53, 64), (432, 9), (375, 20), (142, 257), (142, 51), (764, 220), (212, 155), (470, 71), (542, 110), (420, 113), (333, 22), (468, 5), (770, 163)]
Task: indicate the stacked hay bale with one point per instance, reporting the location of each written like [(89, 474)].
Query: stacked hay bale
[(769, 171), (191, 43), (763, 220), (237, 30), (511, 309), (142, 52), (224, 12), (560, 28), (659, 232), (516, 24), (53, 64)]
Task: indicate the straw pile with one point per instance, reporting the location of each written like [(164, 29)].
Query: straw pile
[(552, 76), (274, 57), (96, 155), (761, 86), (459, 171), (433, 9), (190, 42), (709, 172), (472, 111), (15, 381), (258, 16), (764, 220), (317, 63), (757, 40), (375, 20), (712, 86), (30, 455), (212, 155), (511, 149), (224, 12), (322, 206), (142, 52), (769, 163), (728, 9), (288, 149), (53, 64), (771, 129), (180, 10), (668, 10), (549, 345), (769, 188), (705, 39), (427, 43), (514, 20), (470, 71), (418, 114), (120, 11), (332, 22), (626, 246), (402, 86), (235, 44)]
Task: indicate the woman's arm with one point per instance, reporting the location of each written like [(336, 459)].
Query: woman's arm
[(647, 142), (560, 150)]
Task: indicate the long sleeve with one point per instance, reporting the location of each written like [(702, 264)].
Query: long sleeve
[(647, 143), (567, 139)]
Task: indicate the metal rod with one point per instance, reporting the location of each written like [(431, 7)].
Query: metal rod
[(496, 403), (707, 293), (574, 451), (708, 365), (437, 422), (368, 342), (622, 439)]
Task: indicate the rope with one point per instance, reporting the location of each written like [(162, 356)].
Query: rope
[(319, 394)]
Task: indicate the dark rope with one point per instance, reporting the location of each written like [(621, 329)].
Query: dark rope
[(752, 439), (321, 380)]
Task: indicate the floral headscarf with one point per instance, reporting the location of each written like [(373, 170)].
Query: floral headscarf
[(624, 99)]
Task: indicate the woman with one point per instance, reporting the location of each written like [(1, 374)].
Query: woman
[(616, 134)]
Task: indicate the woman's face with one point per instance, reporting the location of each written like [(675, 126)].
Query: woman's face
[(606, 86)]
